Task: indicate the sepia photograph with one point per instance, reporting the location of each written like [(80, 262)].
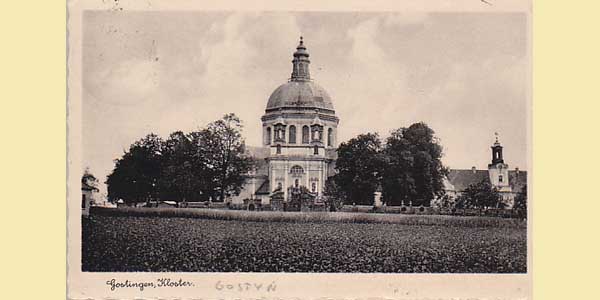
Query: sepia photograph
[(266, 152), (299, 150), (304, 142)]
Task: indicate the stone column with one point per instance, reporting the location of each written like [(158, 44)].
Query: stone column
[(307, 170), (271, 177), (285, 180)]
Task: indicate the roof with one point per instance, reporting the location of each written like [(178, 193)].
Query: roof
[(300, 94), (461, 179), (259, 154), (86, 187), (517, 180), (331, 153), (263, 189)]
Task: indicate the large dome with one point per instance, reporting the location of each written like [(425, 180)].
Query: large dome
[(300, 94)]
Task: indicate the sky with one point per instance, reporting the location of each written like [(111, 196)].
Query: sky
[(464, 74)]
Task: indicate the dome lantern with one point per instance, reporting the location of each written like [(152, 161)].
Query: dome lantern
[(300, 71)]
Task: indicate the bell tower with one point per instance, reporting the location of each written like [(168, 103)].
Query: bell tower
[(498, 170), (497, 152)]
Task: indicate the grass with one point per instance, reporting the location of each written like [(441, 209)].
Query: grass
[(135, 243), (312, 217)]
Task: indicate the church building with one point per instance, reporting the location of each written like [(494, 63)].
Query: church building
[(299, 129), (299, 137), (509, 183)]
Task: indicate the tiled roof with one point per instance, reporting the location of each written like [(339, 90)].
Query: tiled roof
[(461, 179)]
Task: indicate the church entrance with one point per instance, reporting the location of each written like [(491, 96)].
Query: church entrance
[(300, 199)]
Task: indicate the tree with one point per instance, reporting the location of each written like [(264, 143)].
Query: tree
[(446, 201), (520, 204), (480, 195), (359, 166), (137, 174), (334, 196), (178, 180), (208, 163), (413, 167), (224, 150)]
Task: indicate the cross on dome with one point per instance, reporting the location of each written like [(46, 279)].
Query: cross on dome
[(497, 142)]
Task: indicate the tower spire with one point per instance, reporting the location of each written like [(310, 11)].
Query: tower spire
[(497, 151), (300, 71)]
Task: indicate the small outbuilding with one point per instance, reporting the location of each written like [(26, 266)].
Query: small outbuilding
[(87, 197)]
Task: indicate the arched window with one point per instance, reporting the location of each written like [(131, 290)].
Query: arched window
[(296, 183), (268, 137), (296, 170), (314, 187), (305, 131), (500, 178), (316, 152), (278, 149), (292, 134), (329, 137)]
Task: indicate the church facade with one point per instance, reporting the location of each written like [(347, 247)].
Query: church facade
[(299, 129)]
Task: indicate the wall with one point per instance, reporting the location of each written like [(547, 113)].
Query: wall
[(89, 199)]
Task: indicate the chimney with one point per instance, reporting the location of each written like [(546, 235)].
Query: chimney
[(474, 169)]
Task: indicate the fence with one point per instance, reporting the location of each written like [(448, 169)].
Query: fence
[(408, 210), (427, 210)]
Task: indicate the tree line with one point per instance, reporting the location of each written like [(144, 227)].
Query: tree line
[(211, 163), (407, 169), (208, 163)]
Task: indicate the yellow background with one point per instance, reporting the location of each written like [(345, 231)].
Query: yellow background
[(565, 144)]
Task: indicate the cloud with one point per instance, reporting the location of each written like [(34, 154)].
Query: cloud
[(462, 73), (375, 76), (403, 19), (129, 82), (232, 58)]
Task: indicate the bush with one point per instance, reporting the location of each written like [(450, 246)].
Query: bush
[(311, 217)]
